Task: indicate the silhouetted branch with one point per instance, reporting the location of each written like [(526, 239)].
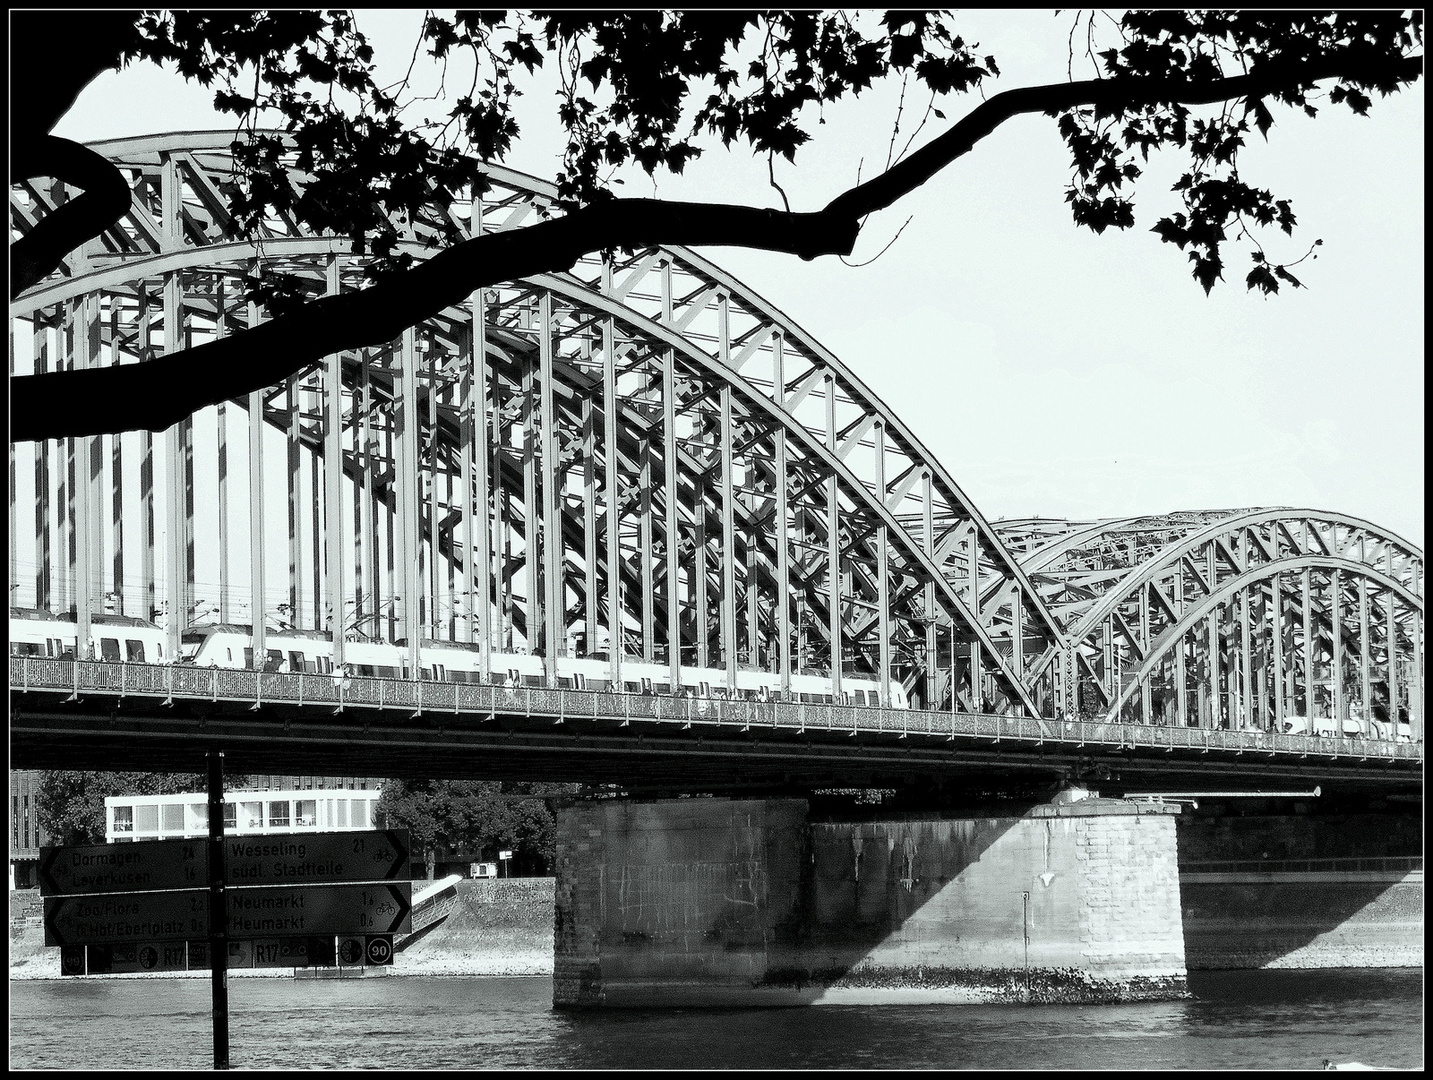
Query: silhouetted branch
[(105, 199), (162, 391), (166, 389)]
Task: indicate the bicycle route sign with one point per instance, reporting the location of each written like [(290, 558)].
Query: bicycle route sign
[(253, 913), (147, 865), (295, 858)]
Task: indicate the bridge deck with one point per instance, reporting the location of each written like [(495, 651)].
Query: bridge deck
[(72, 711)]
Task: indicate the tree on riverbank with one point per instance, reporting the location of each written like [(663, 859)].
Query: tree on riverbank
[(477, 819), (643, 89)]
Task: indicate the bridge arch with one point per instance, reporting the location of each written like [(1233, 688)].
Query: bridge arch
[(1194, 618), (162, 266)]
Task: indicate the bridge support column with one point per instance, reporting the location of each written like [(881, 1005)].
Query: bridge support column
[(718, 902)]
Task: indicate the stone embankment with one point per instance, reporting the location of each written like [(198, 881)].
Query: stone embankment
[(495, 928)]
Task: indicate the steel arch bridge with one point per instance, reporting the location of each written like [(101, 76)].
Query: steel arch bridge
[(639, 460)]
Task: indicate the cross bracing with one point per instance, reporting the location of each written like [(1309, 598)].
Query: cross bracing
[(639, 460), (1264, 618)]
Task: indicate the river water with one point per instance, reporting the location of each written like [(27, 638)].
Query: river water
[(1237, 1020)]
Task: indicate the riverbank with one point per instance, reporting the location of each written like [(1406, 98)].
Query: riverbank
[(501, 927)]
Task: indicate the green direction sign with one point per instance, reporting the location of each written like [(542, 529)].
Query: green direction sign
[(382, 855), (302, 910), (125, 918), (144, 866), (295, 858), (269, 912)]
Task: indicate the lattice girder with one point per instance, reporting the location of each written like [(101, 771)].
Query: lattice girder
[(164, 264)]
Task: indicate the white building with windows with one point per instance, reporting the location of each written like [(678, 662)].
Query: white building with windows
[(246, 813)]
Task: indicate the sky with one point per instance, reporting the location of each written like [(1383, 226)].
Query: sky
[(1053, 372)]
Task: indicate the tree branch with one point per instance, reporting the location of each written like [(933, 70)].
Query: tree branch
[(166, 389), (882, 191), (105, 199)]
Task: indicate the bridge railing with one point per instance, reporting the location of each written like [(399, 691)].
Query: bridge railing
[(476, 699)]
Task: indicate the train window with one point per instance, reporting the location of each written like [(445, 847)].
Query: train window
[(387, 672), (253, 816), (146, 817), (425, 673), (109, 649), (632, 687), (325, 665), (124, 819), (296, 661), (279, 814), (228, 654), (342, 819), (306, 812), (248, 659), (275, 658), (231, 816), (198, 816), (366, 669), (860, 697), (172, 817), (134, 651), (439, 672), (55, 647), (160, 650), (564, 682), (26, 648), (534, 680)]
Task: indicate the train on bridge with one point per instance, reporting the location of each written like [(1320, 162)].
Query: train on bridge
[(124, 639)]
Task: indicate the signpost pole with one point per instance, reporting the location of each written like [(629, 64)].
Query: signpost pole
[(218, 913)]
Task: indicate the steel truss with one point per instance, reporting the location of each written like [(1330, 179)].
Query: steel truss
[(762, 509), (1237, 619)]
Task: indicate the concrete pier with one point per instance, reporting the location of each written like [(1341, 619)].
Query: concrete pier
[(723, 902)]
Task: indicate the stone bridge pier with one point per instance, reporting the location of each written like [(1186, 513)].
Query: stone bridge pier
[(729, 902)]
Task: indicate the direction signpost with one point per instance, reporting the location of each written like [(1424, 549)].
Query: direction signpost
[(107, 868), (159, 865), (310, 858), (125, 918), (253, 913), (275, 900)]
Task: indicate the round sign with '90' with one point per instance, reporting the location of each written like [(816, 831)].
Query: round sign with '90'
[(380, 949)]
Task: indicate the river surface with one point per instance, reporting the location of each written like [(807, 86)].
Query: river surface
[(1237, 1020)]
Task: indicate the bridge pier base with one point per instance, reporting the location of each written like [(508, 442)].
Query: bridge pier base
[(722, 902)]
